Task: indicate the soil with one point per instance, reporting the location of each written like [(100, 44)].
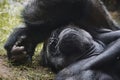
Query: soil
[(5, 70)]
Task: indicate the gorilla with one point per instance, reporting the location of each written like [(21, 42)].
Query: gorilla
[(79, 57), (41, 17)]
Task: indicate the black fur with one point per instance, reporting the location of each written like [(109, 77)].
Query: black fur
[(41, 17)]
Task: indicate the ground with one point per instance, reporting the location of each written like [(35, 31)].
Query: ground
[(9, 18), (36, 72)]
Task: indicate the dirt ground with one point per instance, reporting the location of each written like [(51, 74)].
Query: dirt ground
[(5, 71)]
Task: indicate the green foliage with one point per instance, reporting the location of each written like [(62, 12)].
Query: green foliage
[(9, 18)]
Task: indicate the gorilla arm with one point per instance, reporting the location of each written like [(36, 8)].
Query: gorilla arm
[(110, 54), (19, 44), (99, 16), (108, 37)]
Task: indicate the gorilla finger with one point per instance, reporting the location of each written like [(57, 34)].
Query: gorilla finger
[(17, 49)]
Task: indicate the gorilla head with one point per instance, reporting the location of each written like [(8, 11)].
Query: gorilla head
[(75, 41), (66, 46)]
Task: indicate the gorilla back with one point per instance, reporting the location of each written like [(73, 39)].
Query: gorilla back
[(51, 14)]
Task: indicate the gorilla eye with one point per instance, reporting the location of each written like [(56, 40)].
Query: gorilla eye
[(52, 45)]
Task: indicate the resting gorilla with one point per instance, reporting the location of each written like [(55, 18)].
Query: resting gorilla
[(82, 58), (41, 17)]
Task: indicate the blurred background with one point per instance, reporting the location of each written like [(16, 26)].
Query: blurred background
[(10, 18)]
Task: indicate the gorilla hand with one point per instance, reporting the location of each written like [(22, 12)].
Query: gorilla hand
[(18, 51)]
